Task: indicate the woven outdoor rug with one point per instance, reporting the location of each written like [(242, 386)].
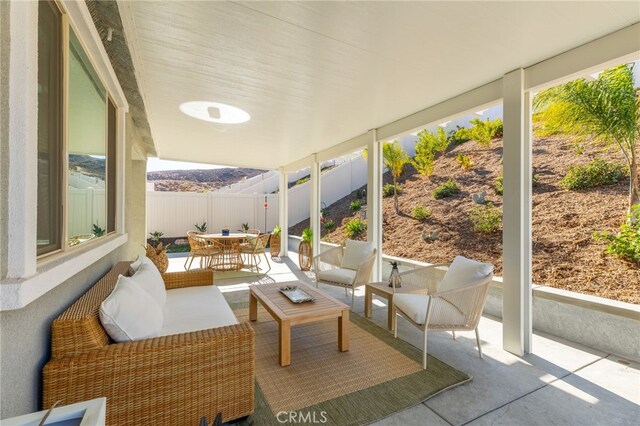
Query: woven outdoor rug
[(378, 376)]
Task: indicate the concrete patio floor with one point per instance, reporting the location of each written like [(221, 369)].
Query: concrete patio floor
[(560, 383)]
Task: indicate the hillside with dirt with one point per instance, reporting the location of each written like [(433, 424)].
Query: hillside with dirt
[(565, 254), (202, 180)]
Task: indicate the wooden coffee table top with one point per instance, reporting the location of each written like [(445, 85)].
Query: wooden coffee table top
[(281, 308)]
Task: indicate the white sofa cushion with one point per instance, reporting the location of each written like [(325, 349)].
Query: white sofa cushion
[(135, 265), (415, 306), (355, 253), (149, 278), (129, 313), (338, 275), (463, 272), (195, 308)]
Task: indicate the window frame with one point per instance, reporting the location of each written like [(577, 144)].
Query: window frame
[(110, 187)]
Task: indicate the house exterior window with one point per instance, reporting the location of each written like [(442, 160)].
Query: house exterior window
[(76, 139), (50, 140)]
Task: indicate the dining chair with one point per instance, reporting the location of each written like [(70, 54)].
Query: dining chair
[(198, 248), (254, 248)]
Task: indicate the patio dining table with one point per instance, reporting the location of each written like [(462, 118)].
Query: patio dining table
[(226, 254)]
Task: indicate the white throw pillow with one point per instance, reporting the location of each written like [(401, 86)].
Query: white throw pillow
[(355, 253), (129, 313), (463, 272), (149, 278), (135, 265)]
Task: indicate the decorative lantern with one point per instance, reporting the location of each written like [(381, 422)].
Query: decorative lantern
[(395, 280)]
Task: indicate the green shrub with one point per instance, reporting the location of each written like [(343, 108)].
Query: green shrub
[(387, 190), (155, 236), (329, 225), (355, 228), (626, 243), (277, 230), (202, 228), (598, 172), (464, 161), (421, 212), (486, 219), (481, 131), (426, 149), (498, 185), (456, 137), (447, 189), (355, 205)]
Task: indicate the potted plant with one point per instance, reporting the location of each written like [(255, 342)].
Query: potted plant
[(275, 242), (158, 254), (305, 251)]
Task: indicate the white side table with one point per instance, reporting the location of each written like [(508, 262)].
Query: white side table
[(85, 413)]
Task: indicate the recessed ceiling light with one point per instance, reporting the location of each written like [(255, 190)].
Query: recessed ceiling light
[(215, 112)]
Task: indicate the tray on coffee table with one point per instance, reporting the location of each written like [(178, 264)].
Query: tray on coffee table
[(296, 295)]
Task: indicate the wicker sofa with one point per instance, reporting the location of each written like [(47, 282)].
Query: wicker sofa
[(168, 380)]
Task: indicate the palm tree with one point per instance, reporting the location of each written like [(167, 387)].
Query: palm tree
[(395, 158), (606, 109)]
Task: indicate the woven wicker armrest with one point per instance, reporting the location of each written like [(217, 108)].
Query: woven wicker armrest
[(424, 277), (329, 259), (363, 273), (164, 380), (192, 278)]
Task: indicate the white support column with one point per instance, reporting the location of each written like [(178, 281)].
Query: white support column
[(283, 213), (315, 204), (22, 194), (516, 302), (374, 199)]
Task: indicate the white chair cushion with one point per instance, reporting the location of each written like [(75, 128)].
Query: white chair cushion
[(415, 306), (355, 253), (338, 275), (135, 265), (149, 278), (463, 272), (129, 313), (195, 308)]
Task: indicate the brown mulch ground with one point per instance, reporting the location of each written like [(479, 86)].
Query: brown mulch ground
[(565, 255)]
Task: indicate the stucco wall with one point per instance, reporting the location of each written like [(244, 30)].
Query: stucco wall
[(135, 191), (25, 340), (4, 129)]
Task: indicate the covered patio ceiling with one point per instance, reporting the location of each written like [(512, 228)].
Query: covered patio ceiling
[(314, 74)]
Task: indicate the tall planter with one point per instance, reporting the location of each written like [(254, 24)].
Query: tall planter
[(305, 255), (274, 247)]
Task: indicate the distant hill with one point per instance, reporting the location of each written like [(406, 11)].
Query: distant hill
[(87, 165), (199, 180)]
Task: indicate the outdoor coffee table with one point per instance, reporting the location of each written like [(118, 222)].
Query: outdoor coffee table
[(286, 313)]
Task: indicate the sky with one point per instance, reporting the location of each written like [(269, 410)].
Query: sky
[(155, 164)]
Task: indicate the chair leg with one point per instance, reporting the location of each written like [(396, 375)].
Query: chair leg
[(353, 298), (424, 351), (268, 263), (346, 292), (478, 342), (454, 334), (186, 261), (395, 323)]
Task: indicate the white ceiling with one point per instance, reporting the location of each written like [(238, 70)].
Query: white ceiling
[(314, 74)]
